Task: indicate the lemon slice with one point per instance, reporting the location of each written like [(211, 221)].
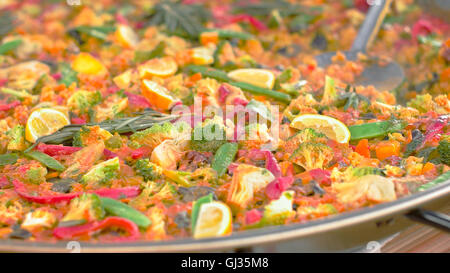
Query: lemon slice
[(85, 63), (202, 56), (157, 95), (126, 36), (329, 126), (259, 77), (44, 121), (160, 67), (214, 219)]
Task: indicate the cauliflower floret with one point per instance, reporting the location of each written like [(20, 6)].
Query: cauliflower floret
[(87, 207), (374, 188), (247, 180), (277, 211), (40, 217), (167, 154)]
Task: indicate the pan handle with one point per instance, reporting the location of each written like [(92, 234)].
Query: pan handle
[(431, 218)]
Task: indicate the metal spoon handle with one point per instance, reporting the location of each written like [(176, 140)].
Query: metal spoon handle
[(371, 24)]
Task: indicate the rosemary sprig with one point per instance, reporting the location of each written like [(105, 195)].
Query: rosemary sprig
[(7, 22), (141, 121), (180, 18), (265, 8)]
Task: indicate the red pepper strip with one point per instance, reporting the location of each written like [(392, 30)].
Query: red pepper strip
[(260, 26), (53, 150), (46, 199), (126, 192), (89, 228), (9, 106)]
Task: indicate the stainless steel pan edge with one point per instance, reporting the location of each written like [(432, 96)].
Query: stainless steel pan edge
[(337, 233)]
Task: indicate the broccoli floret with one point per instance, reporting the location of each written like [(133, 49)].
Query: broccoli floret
[(102, 173), (329, 94), (311, 155), (423, 103), (209, 136), (152, 193), (35, 174), (305, 135), (154, 135), (17, 139), (87, 207), (82, 100), (444, 150), (276, 212), (148, 170), (89, 135)]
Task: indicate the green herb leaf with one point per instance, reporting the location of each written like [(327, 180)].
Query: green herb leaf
[(8, 46), (68, 75), (142, 56), (7, 159), (196, 208), (260, 108), (223, 157), (99, 32), (47, 160)]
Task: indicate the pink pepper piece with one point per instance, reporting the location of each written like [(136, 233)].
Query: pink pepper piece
[(275, 188), (240, 101), (321, 176), (434, 129), (3, 182), (223, 93), (57, 76), (3, 82), (108, 154), (272, 164), (137, 101), (121, 19), (422, 27), (253, 216)]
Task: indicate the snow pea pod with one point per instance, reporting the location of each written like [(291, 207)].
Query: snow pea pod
[(47, 160), (375, 129), (120, 209)]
